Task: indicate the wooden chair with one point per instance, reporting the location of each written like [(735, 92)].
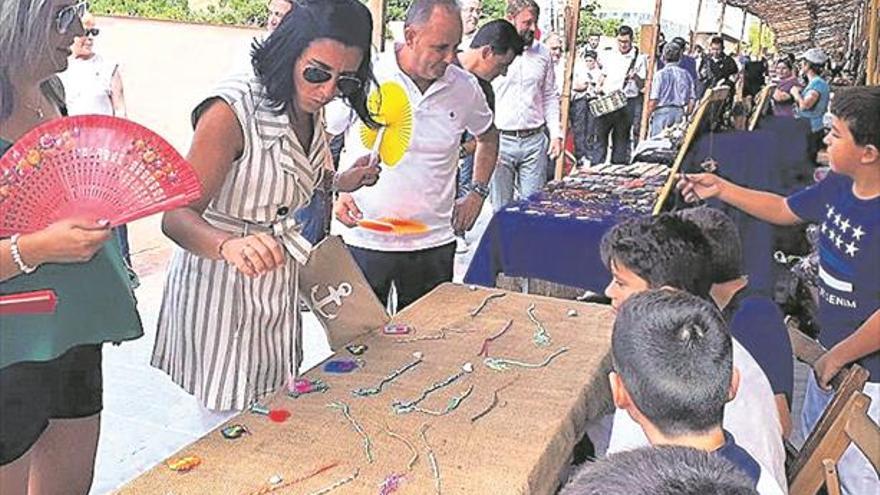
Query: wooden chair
[(844, 421)]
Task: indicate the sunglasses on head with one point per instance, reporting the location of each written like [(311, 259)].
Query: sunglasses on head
[(92, 32), (68, 14), (347, 85)]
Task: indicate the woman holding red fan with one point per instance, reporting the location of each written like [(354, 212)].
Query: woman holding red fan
[(229, 328), (50, 365)]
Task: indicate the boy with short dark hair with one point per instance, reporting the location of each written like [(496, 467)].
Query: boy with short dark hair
[(752, 317), (662, 470), (847, 206), (673, 374), (667, 251)]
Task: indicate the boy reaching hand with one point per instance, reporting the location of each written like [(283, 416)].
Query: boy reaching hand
[(846, 205)]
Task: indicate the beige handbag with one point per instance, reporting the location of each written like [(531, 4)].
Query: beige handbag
[(334, 288)]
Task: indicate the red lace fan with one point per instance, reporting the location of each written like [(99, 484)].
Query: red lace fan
[(93, 165)]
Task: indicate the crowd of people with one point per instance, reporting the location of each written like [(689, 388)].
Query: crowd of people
[(701, 375)]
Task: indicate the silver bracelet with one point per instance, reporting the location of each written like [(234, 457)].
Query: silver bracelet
[(16, 255)]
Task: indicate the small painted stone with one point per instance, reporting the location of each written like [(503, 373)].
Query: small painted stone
[(233, 432), (275, 480), (340, 366), (572, 313), (468, 368), (472, 287), (258, 409), (397, 329), (184, 464), (356, 349)]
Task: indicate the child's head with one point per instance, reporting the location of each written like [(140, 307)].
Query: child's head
[(649, 253), (725, 263), (662, 470), (854, 140), (672, 363)]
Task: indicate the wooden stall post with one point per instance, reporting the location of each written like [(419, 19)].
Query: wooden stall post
[(652, 64), (721, 19), (742, 32), (572, 16), (377, 9), (873, 42), (696, 24), (760, 37)]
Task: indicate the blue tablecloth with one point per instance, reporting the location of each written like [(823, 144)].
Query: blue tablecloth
[(561, 250), (566, 250)]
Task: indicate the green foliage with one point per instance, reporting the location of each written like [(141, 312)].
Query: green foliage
[(238, 12), (768, 41)]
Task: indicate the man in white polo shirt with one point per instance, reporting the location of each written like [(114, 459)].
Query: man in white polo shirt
[(527, 108), (446, 101)]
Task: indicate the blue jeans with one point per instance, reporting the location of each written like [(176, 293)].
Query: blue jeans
[(521, 168), (664, 117), (314, 217)]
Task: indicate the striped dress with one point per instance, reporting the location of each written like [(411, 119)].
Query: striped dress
[(228, 339)]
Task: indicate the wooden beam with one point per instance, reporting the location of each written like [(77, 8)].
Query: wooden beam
[(652, 64), (873, 41), (378, 10), (696, 23), (742, 31), (721, 18), (572, 16), (760, 37)]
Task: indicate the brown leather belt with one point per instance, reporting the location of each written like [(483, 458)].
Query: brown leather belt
[(523, 133)]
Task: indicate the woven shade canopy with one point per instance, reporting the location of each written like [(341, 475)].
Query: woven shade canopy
[(802, 24)]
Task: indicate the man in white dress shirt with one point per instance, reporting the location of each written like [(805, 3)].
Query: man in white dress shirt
[(527, 108), (446, 101)]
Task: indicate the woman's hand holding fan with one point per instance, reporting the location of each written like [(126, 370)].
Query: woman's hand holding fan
[(72, 240)]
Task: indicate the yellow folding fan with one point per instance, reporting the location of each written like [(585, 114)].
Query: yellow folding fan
[(389, 107)]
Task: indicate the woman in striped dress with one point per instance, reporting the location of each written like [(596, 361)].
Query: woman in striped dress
[(229, 327)]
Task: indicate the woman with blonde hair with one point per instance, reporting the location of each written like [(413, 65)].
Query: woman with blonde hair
[(50, 366)]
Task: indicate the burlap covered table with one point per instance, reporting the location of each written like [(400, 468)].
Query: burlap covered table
[(522, 446)]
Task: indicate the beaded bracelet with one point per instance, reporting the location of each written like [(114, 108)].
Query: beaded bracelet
[(16, 255)]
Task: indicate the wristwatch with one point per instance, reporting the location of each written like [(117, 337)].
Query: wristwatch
[(482, 190)]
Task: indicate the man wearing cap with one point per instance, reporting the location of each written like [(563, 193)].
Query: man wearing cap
[(688, 63), (672, 92), (812, 102)]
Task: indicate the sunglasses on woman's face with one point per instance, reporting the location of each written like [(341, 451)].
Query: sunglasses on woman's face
[(92, 32), (347, 85), (68, 14)]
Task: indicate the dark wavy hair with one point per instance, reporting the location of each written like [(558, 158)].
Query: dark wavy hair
[(346, 21), (663, 251)]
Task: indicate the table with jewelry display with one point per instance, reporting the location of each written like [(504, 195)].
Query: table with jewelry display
[(554, 235), (466, 391)]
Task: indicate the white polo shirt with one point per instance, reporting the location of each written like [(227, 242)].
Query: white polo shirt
[(421, 186)]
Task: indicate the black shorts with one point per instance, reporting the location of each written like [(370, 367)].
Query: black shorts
[(32, 393)]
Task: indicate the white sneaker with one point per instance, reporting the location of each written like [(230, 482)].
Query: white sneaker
[(461, 245)]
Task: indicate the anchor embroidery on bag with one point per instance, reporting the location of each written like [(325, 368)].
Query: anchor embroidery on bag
[(334, 295)]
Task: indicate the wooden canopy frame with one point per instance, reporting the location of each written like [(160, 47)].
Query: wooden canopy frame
[(711, 101), (762, 102)]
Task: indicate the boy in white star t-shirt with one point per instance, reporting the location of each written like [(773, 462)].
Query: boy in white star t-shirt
[(846, 205)]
